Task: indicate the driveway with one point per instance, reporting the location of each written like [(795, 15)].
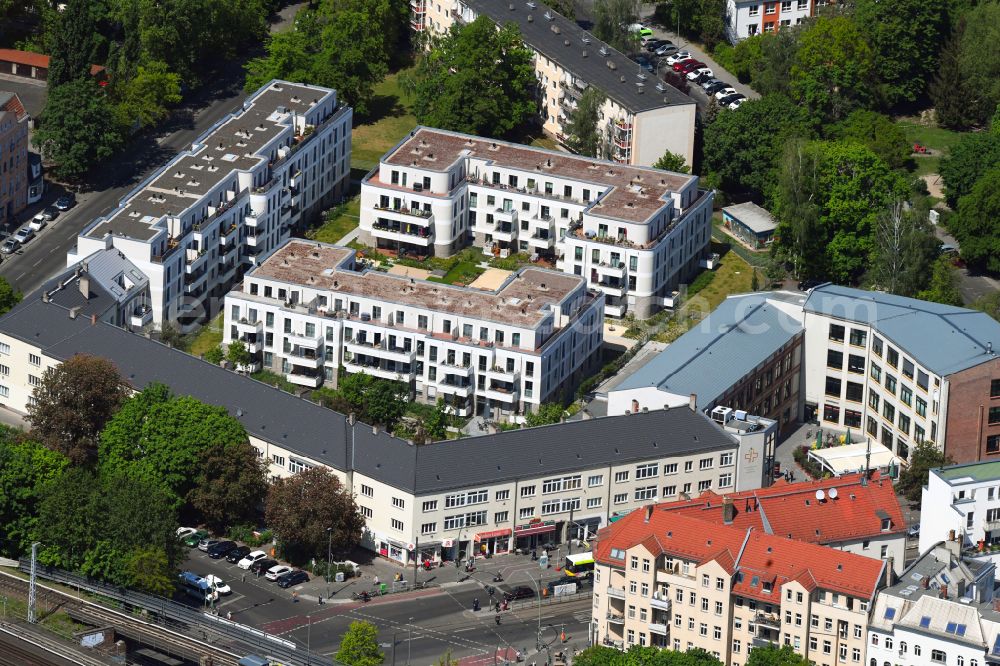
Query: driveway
[(972, 286)]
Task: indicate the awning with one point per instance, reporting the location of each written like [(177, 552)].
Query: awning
[(490, 535), (540, 529)]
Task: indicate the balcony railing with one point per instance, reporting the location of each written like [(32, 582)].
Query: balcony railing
[(616, 592), (415, 212)]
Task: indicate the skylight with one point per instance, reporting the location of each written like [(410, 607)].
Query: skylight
[(890, 613), (925, 622)]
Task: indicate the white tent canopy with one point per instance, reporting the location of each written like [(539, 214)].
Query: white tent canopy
[(839, 460)]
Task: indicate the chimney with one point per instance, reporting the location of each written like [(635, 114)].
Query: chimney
[(944, 591), (925, 582), (693, 402), (93, 320), (74, 311), (351, 418), (635, 406), (649, 513), (951, 535), (728, 511), (374, 429), (889, 573)]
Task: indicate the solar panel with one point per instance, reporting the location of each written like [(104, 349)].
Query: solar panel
[(890, 613), (925, 621)]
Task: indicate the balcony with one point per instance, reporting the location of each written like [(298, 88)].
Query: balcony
[(141, 316), (253, 342), (406, 215), (380, 349), (991, 525), (505, 232), (616, 592), (404, 233), (658, 628), (194, 260), (304, 377), (251, 220), (768, 620), (542, 242), (498, 374), (313, 342), (611, 288), (306, 358), (615, 618), (501, 393), (660, 603), (228, 236), (455, 388), (613, 270), (371, 366), (244, 325)]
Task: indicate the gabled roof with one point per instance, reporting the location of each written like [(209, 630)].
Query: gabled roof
[(11, 103), (31, 59), (943, 338), (791, 510), (762, 562)]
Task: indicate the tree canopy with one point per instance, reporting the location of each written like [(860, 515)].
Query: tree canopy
[(72, 404), (9, 297), (833, 68), (977, 224), (612, 21), (966, 161), (476, 79), (924, 456), (584, 134), (637, 655), (372, 399), (773, 655), (967, 89), (26, 468), (300, 508), (672, 162), (547, 413), (359, 645), (878, 133)]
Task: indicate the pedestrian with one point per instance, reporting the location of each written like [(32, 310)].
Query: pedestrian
[(243, 578), (375, 583), (229, 615), (295, 596)]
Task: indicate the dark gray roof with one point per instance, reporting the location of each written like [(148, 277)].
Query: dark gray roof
[(308, 429), (537, 31)]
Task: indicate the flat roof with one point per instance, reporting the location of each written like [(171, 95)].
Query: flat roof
[(709, 359), (757, 219), (231, 145), (524, 299), (580, 52), (634, 193), (943, 338), (981, 471)]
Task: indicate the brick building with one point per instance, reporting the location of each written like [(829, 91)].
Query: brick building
[(13, 158)]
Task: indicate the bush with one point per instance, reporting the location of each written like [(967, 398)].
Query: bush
[(812, 468), (703, 280), (511, 263)]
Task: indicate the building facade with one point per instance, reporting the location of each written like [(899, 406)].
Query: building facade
[(903, 371), (14, 175), (674, 581), (641, 118), (746, 18), (195, 224), (310, 312), (635, 234), (961, 502)]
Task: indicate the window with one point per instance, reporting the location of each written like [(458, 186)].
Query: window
[(834, 359), (398, 503), (771, 7), (995, 388), (4, 348), (904, 423), (36, 381), (726, 459), (754, 11), (621, 498), (725, 480), (621, 477), (906, 395), (706, 463), (908, 368), (595, 481), (428, 528), (366, 512), (688, 465), (858, 337), (646, 471), (994, 415), (856, 364), (992, 443), (831, 413), (34, 359), (550, 507), (855, 392), (922, 379), (527, 491), (4, 392), (892, 357), (670, 491), (526, 512), (833, 387), (502, 495), (670, 468), (890, 384), (704, 485), (647, 493), (873, 400), (921, 407), (852, 418), (501, 516), (939, 656), (876, 372), (836, 330), (559, 484), (594, 502), (367, 491)]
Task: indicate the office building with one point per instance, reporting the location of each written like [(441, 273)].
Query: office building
[(635, 234), (310, 311), (195, 224)]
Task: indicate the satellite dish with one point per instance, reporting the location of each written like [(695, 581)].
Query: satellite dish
[(820, 495), (833, 493)]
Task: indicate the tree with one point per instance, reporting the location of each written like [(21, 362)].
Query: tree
[(547, 413), (9, 297), (373, 400), (947, 87), (990, 304), (583, 130), (943, 287), (966, 161), (359, 646), (565, 7), (72, 404), (904, 249), (26, 467), (214, 355), (905, 37), (924, 456), (876, 131), (980, 67), (231, 483), (833, 69), (771, 73), (977, 224), (149, 570), (77, 127), (672, 162), (74, 46), (772, 655), (436, 423), (596, 655), (300, 508), (743, 150), (748, 55), (239, 355), (149, 93), (477, 79), (613, 20)]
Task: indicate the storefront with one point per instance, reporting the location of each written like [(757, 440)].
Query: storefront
[(534, 534), (492, 543), (393, 549), (429, 552)]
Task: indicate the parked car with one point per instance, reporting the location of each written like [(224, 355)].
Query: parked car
[(250, 558), (712, 87), (221, 549), (654, 44), (277, 571), (51, 213), (667, 50), (38, 222), (218, 584), (806, 285), (261, 566), (736, 103), (689, 66), (24, 234), (726, 101), (185, 532), (519, 592), (207, 543), (914, 530), (725, 92), (193, 539), (293, 578), (643, 62), (237, 554), (66, 201), (677, 57), (700, 74), (10, 246), (680, 65), (947, 248)]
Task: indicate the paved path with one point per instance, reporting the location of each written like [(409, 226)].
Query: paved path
[(972, 286)]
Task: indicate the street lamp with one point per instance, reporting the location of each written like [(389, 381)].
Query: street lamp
[(309, 640), (329, 545), (538, 594)]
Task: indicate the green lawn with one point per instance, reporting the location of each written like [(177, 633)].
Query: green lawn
[(339, 221), (391, 118), (207, 338), (931, 136), (926, 164), (463, 273)]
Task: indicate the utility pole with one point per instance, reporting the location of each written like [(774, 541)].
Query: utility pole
[(409, 640), (309, 640), (33, 582), (416, 560), (569, 527)]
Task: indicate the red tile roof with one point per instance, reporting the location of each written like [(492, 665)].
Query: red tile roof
[(792, 510), (14, 105), (31, 59), (754, 556)]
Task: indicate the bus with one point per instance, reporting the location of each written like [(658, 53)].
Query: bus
[(580, 565), (197, 587)]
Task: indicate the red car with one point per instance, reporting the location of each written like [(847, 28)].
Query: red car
[(679, 64), (691, 66)]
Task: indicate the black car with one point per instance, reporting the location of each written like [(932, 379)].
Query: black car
[(643, 62), (260, 567), (50, 213), (716, 87), (221, 549), (519, 592), (729, 99), (237, 554), (293, 578), (66, 201), (654, 44)]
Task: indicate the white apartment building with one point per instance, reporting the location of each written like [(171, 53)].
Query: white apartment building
[(232, 198), (746, 18), (437, 501), (903, 371), (636, 234), (642, 116), (941, 611), (310, 312), (961, 502)]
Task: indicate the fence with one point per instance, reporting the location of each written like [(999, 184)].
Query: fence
[(181, 616)]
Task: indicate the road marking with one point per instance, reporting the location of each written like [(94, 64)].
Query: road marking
[(21, 275)]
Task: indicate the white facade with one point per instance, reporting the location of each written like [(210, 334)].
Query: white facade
[(961, 501), (746, 18), (310, 312), (635, 234), (195, 224)]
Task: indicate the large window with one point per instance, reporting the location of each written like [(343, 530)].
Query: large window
[(906, 395), (921, 407), (856, 363), (873, 400), (834, 359), (831, 413), (995, 388), (855, 392), (892, 357), (994, 415), (908, 368), (877, 345), (836, 332), (833, 387), (904, 423), (858, 337), (876, 372), (852, 418), (888, 411), (993, 444), (890, 384), (872, 426)]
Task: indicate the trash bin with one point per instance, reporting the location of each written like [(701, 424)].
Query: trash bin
[(382, 588), (339, 577)]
